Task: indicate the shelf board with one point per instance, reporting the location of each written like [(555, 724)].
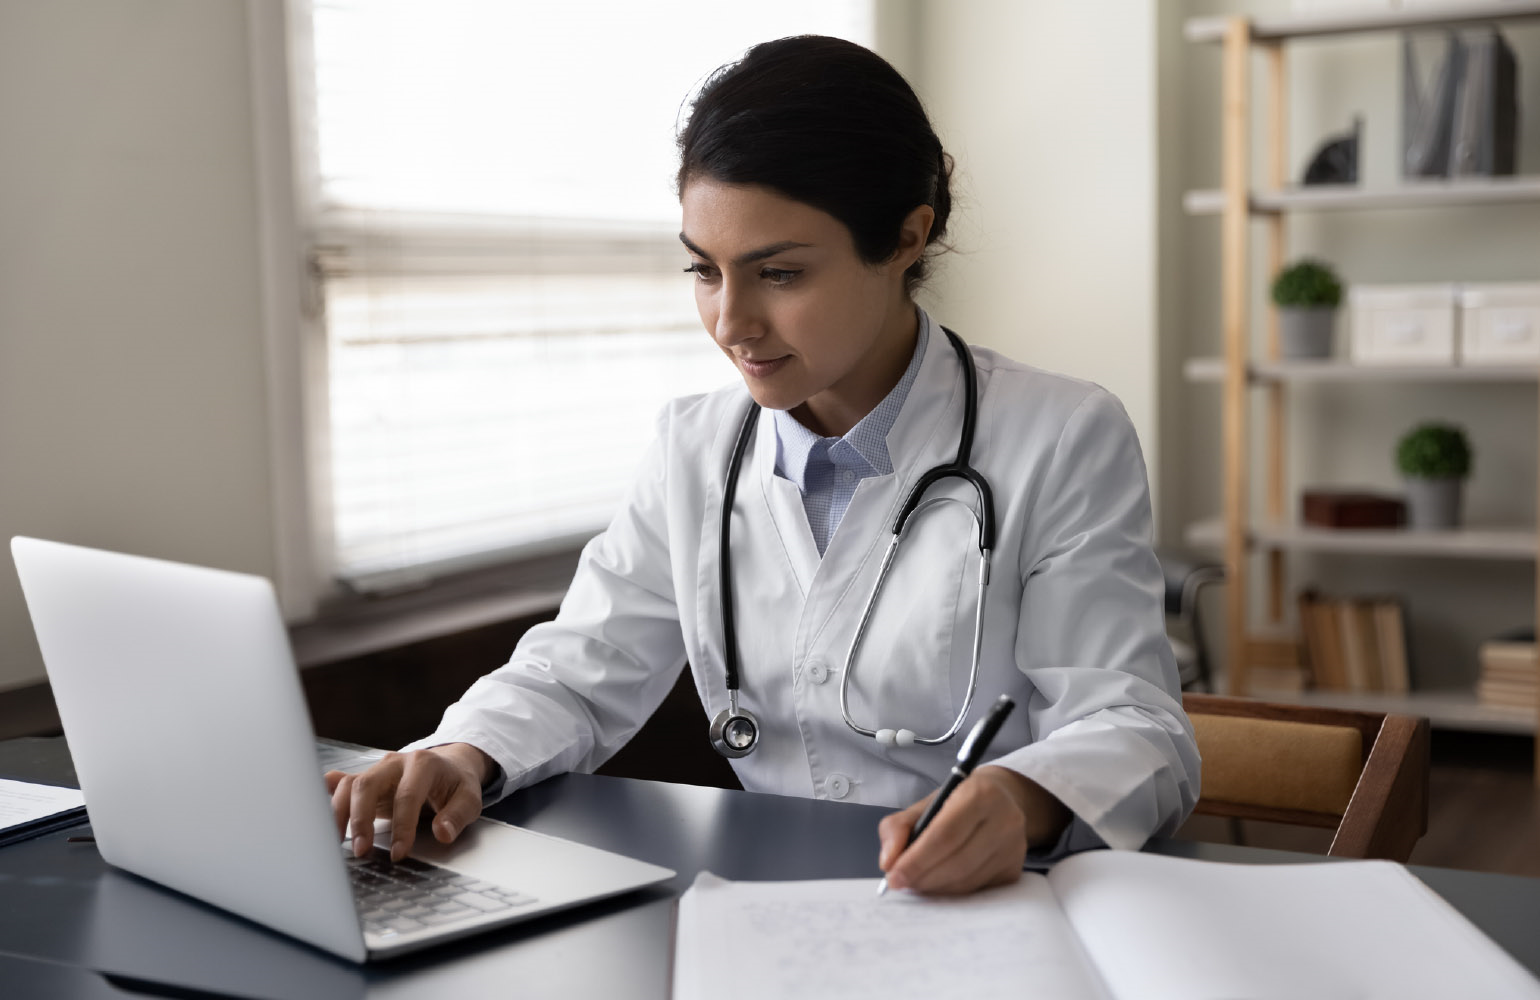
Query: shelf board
[(1431, 193), (1465, 543), (1330, 370), (1276, 29), (1444, 709)]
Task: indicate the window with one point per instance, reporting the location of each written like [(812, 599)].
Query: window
[(495, 236)]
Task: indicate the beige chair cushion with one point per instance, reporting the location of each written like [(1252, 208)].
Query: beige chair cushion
[(1278, 765)]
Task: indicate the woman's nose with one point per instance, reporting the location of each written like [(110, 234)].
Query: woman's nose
[(738, 316)]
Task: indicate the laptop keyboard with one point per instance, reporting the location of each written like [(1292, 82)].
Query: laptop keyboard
[(409, 895)]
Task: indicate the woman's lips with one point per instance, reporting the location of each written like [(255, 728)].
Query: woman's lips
[(764, 368)]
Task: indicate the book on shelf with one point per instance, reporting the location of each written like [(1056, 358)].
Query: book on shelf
[(1354, 644), (1510, 674), (1390, 632)]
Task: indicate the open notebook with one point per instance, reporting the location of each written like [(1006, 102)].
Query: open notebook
[(1106, 925)]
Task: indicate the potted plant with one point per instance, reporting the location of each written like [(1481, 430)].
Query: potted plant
[(1307, 294), (1435, 459)]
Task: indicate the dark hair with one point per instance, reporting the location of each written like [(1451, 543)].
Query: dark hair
[(828, 123)]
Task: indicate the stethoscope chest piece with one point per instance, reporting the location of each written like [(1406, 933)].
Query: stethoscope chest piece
[(734, 731)]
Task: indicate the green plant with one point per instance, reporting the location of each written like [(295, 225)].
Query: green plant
[(1434, 451), (1307, 283)]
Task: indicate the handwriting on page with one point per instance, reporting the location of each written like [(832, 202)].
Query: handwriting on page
[(24, 802), (855, 947)]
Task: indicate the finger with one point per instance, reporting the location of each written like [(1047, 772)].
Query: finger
[(947, 834), (332, 779), (893, 832), (342, 792), (456, 807), (984, 859), (406, 806), (372, 792), (983, 844), (978, 808)]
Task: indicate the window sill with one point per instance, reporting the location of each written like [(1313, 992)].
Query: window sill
[(358, 626)]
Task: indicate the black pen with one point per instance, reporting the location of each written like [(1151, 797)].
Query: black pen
[(968, 758)]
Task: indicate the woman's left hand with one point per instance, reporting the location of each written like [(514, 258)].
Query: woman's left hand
[(979, 839)]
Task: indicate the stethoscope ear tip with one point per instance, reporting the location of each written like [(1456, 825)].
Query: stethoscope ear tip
[(895, 737)]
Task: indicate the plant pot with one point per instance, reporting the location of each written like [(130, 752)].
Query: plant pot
[(1305, 331), (1433, 504)]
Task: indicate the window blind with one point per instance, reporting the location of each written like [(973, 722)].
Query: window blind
[(495, 233)]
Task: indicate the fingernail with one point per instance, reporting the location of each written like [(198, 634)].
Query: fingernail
[(360, 844), (397, 850)]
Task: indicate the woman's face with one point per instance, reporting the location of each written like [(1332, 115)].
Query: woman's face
[(811, 326)]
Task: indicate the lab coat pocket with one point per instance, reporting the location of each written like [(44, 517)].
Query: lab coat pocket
[(911, 671)]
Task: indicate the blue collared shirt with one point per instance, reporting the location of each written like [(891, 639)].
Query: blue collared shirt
[(826, 470)]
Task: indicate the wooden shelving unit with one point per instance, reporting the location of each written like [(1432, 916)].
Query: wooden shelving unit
[(1418, 194), (1237, 372), (1453, 709), (1468, 543), (1213, 370), (1281, 29)]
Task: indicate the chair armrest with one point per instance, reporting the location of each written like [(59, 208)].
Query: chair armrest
[(1389, 809)]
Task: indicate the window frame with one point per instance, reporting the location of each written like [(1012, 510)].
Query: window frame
[(293, 251)]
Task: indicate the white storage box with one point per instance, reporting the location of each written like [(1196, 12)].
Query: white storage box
[(1403, 324), (1500, 324)]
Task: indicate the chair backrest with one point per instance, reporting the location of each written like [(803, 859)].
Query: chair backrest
[(1363, 774)]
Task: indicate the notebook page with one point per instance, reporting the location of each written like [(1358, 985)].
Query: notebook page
[(23, 802), (838, 939), (1175, 929)]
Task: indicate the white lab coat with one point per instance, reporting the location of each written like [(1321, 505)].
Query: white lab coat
[(1073, 626)]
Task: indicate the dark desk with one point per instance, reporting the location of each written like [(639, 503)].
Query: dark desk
[(63, 911)]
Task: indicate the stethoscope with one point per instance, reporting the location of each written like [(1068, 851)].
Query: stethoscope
[(735, 731)]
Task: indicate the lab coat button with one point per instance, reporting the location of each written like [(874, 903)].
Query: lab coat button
[(817, 671), (838, 786)]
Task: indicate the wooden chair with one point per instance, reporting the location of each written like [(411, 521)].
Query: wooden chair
[(1363, 774)]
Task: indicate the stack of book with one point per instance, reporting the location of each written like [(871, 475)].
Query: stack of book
[(1509, 675), (1354, 643)]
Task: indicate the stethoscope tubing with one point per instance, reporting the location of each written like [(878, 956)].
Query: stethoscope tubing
[(959, 468), (866, 616)]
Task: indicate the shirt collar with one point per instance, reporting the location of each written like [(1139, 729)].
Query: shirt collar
[(864, 445)]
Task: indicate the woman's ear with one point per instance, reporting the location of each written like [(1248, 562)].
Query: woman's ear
[(913, 236)]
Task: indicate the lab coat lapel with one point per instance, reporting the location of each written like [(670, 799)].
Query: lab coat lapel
[(926, 431), (920, 438), (787, 514)]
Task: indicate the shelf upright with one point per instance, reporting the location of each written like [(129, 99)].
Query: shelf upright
[(1277, 248), (1236, 169)]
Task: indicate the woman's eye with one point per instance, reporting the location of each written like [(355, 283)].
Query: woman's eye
[(778, 276), (702, 272)]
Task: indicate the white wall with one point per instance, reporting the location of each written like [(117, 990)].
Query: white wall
[(1345, 435), (132, 395), (132, 409), (1049, 109)]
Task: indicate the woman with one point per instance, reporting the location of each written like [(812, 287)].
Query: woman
[(813, 192)]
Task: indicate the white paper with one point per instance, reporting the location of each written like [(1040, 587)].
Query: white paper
[(1176, 929), (1104, 923), (838, 938), (24, 802)]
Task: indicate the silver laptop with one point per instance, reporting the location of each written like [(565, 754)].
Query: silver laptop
[(188, 728)]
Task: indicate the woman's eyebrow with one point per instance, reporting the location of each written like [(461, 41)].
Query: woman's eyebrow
[(750, 256)]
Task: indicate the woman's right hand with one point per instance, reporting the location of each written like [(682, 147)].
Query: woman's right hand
[(446, 779)]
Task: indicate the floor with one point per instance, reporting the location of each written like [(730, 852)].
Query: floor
[(1483, 812)]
